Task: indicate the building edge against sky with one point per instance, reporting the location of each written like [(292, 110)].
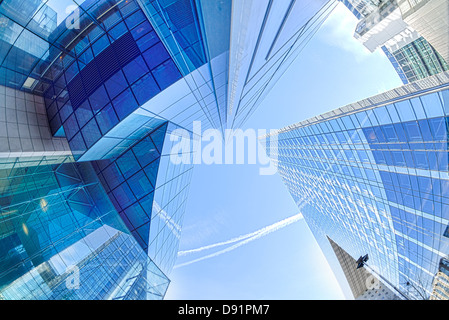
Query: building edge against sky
[(91, 206), (373, 176)]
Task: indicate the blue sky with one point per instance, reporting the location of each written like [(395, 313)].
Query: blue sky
[(227, 201)]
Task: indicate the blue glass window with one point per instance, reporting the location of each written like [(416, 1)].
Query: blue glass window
[(123, 195), (398, 158), (135, 19), (86, 57), (390, 133), (431, 157), (340, 136), (444, 96), (142, 29), (409, 159), (77, 144), (145, 151), (363, 156), (418, 108), (158, 137), (382, 115), (405, 110), (445, 212), (144, 232), (151, 171), (442, 161), (370, 135), (101, 44), (379, 134), (113, 176), (71, 71), (425, 130), (147, 41), (147, 203), (112, 20), (388, 158), (136, 215), (118, 30), (354, 135), (400, 132), (71, 127), (438, 128), (334, 124), (425, 184), (66, 111), (393, 113), (421, 159)]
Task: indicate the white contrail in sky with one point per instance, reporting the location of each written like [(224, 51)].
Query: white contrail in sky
[(239, 241)]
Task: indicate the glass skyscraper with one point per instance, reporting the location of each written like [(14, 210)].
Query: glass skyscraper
[(373, 176), (385, 25), (91, 95)]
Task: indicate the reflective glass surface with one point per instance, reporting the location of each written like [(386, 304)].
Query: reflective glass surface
[(376, 182)]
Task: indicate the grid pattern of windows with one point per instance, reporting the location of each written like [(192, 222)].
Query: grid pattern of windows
[(376, 182)]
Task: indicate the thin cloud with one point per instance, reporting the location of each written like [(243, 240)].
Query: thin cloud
[(239, 241)]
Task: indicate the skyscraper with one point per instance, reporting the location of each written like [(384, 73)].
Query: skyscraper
[(373, 177), (408, 45), (364, 285), (91, 95), (441, 282)]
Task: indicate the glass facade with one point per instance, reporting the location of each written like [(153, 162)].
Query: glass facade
[(93, 92), (413, 60), (373, 176)]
